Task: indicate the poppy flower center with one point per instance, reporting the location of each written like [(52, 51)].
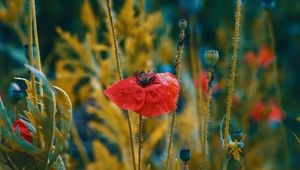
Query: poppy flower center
[(144, 79)]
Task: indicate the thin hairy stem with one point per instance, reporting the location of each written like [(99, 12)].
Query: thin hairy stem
[(207, 112), (231, 81), (178, 64), (131, 140), (273, 46), (114, 39), (140, 141), (30, 53), (120, 76), (195, 73), (170, 139)]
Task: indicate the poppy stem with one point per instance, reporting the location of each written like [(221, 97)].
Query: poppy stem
[(140, 140), (231, 81), (207, 112), (114, 39), (273, 44), (120, 76), (178, 64), (131, 140)]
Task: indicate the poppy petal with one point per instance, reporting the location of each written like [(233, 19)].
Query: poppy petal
[(171, 87), (24, 131), (127, 94), (155, 102), (257, 111), (161, 97), (276, 114)]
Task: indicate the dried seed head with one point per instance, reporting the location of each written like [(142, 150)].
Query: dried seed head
[(182, 24), (211, 58)]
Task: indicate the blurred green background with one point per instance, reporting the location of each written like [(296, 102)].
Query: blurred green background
[(211, 22)]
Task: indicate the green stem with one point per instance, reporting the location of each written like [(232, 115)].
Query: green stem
[(231, 82), (207, 112), (178, 64), (114, 39), (275, 69), (140, 141), (120, 76)]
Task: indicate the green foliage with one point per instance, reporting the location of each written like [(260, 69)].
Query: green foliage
[(51, 121)]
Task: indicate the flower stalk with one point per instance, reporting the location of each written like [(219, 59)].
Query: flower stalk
[(275, 69), (182, 26), (120, 75), (207, 113), (231, 82), (140, 141)]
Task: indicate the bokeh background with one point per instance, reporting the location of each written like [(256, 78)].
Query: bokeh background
[(150, 43)]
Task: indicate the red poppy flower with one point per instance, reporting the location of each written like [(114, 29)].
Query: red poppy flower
[(24, 131), (251, 58), (257, 113), (276, 114), (235, 100), (148, 94), (266, 56), (204, 84)]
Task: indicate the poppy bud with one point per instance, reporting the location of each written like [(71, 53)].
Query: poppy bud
[(268, 4), (15, 93), (185, 155), (182, 24), (211, 58), (22, 130)]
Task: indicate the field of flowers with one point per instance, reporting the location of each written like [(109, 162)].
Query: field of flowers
[(149, 85)]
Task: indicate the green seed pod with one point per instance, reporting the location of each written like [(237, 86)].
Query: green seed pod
[(182, 24), (185, 155), (211, 58)]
